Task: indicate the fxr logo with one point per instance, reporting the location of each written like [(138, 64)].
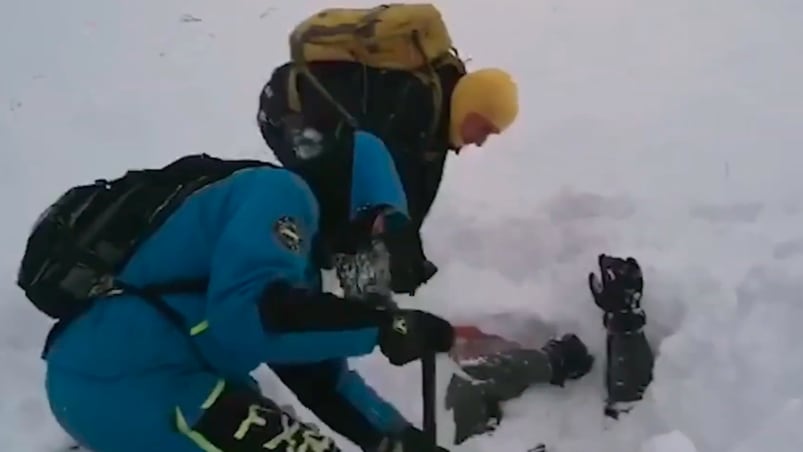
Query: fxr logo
[(293, 436)]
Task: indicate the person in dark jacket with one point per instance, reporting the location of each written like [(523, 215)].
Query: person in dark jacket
[(397, 107), (501, 370), (497, 368)]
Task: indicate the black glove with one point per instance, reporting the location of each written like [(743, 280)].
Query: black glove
[(410, 439), (406, 278), (618, 292), (411, 334), (409, 268)]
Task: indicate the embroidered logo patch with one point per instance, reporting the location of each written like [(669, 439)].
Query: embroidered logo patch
[(288, 233)]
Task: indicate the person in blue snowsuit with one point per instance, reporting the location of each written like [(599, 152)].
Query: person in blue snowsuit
[(123, 378)]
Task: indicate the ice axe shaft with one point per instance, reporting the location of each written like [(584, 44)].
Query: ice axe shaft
[(428, 392)]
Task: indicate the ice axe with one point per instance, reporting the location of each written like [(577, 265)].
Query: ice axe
[(367, 276), (429, 397)]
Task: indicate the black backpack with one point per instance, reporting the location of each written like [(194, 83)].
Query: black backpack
[(80, 243)]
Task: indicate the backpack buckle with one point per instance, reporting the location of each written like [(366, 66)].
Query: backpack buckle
[(106, 286)]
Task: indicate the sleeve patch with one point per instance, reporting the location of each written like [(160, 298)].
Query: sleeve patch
[(288, 234)]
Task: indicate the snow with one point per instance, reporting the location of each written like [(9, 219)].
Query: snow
[(670, 442), (669, 131)]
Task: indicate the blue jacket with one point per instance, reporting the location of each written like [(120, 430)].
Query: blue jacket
[(243, 233)]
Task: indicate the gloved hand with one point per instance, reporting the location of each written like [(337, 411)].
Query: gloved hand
[(407, 277), (410, 439), (409, 268), (409, 335), (618, 292)]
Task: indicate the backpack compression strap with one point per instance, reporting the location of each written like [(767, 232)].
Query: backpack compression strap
[(151, 294)]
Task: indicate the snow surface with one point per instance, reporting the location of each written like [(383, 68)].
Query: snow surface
[(670, 131)]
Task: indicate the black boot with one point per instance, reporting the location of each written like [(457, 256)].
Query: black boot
[(497, 377), (506, 375), (474, 408), (568, 358)]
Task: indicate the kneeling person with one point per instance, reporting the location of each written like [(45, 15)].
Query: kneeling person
[(153, 363)]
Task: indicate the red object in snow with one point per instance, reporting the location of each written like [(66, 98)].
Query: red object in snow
[(468, 332), (473, 343)]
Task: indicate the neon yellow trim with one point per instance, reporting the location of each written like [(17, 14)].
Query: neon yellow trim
[(184, 428), (216, 391), (196, 437), (253, 418), (199, 328)]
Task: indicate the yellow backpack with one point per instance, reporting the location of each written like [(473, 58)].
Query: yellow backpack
[(408, 37)]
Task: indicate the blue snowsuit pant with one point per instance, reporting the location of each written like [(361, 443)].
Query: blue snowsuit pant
[(166, 408)]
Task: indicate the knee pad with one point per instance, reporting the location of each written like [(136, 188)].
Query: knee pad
[(240, 420)]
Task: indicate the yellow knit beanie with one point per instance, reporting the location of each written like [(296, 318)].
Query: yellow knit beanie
[(490, 93)]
